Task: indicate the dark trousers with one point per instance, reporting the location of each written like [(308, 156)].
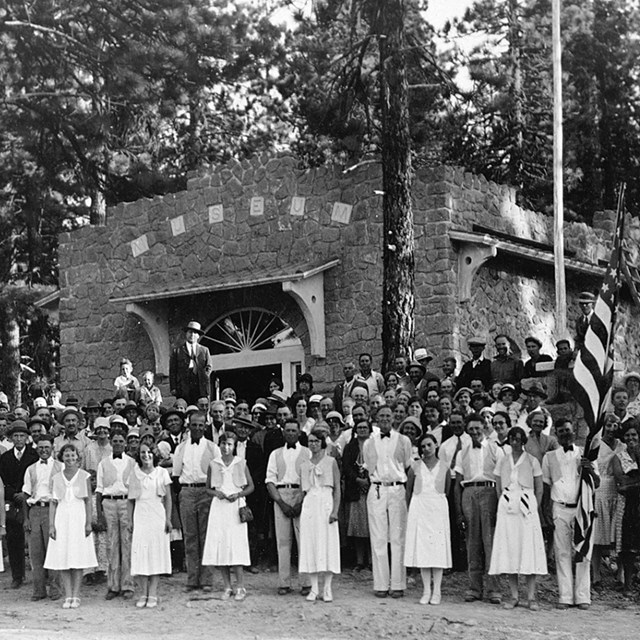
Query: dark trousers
[(458, 543), (15, 543)]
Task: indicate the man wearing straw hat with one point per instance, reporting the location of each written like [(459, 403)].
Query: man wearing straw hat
[(190, 367)]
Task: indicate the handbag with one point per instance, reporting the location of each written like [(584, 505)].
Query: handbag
[(246, 515)]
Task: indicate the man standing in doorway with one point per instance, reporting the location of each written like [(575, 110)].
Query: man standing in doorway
[(190, 367)]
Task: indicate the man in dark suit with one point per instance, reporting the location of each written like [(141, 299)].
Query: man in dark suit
[(478, 368), (190, 367), (343, 389), (251, 453), (586, 301), (13, 465)]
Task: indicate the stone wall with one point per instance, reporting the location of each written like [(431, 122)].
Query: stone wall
[(249, 218)]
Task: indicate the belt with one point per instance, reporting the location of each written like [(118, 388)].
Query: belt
[(568, 505), (388, 484), (287, 486), (484, 483), (114, 497), (40, 503), (194, 485)]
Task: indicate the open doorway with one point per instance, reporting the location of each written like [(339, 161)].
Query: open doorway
[(250, 383)]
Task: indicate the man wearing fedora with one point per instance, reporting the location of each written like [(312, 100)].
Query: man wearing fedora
[(586, 300), (13, 465), (190, 367), (478, 368)]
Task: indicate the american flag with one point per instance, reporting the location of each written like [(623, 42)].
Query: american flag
[(593, 374)]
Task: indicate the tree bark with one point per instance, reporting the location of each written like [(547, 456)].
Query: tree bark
[(398, 296), (10, 377)]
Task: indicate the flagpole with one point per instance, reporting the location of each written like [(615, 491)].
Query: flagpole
[(558, 203)]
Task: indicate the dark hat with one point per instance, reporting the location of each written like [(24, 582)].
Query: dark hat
[(69, 411), (92, 404), (536, 389), (237, 422), (18, 426), (36, 420), (195, 327), (534, 340), (130, 405), (171, 412), (414, 363), (586, 296), (72, 401)]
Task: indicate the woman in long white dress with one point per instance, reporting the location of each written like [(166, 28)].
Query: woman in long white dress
[(319, 532), (227, 543), (71, 547), (428, 544), (149, 509), (518, 545)]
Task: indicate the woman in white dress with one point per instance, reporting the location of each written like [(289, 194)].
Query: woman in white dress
[(71, 547), (149, 508), (227, 541), (427, 544), (319, 532), (518, 545)]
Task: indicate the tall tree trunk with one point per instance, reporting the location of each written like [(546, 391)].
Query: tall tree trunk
[(516, 115), (10, 376), (398, 295)]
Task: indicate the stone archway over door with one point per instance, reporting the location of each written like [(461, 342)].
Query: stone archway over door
[(255, 337)]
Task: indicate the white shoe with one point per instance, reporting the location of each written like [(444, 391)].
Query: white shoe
[(241, 594), (312, 597), (327, 596), (435, 599), (425, 599), (226, 594)]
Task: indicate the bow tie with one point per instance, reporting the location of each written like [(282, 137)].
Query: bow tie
[(501, 444), (385, 435), (43, 461), (195, 442), (117, 456), (291, 446), (567, 447), (477, 445)]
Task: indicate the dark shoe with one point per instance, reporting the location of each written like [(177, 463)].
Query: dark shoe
[(380, 594), (207, 588), (99, 577), (55, 595), (36, 597), (253, 569), (398, 593), (283, 591), (111, 595), (471, 597), (305, 591), (189, 588), (496, 599), (583, 606), (16, 584), (562, 606), (89, 579), (128, 594)]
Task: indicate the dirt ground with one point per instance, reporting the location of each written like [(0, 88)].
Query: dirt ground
[(355, 614)]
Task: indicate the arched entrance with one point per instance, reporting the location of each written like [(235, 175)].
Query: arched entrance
[(249, 346)]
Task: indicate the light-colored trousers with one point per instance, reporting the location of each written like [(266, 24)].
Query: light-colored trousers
[(580, 593), (118, 545), (38, 542), (387, 510), (286, 528)]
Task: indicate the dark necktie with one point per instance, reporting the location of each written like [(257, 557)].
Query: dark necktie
[(477, 445), (567, 447), (195, 442), (291, 446), (117, 456), (385, 435)]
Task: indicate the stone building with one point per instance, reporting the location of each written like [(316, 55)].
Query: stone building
[(283, 268)]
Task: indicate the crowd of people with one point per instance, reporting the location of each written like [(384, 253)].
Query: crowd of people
[(460, 469)]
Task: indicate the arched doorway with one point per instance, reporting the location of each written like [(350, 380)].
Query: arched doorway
[(251, 345)]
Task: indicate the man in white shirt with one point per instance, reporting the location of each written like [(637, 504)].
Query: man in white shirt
[(190, 463), (374, 380), (561, 470), (36, 489), (111, 505), (71, 435), (283, 484), (387, 457), (477, 506)]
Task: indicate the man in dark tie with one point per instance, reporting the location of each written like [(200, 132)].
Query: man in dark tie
[(13, 465), (586, 301), (190, 367)]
